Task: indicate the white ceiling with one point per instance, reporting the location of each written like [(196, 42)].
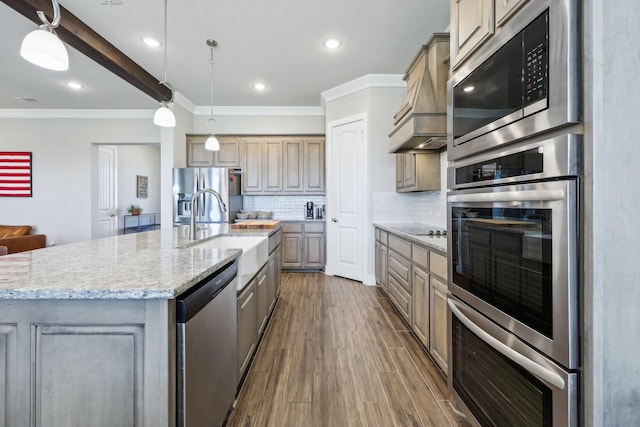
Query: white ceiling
[(276, 41)]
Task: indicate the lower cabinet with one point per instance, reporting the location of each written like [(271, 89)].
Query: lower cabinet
[(414, 278), (255, 305), (303, 245)]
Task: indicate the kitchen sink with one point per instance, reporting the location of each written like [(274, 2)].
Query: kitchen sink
[(255, 251)]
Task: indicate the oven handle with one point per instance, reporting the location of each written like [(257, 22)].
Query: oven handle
[(534, 368), (510, 196)]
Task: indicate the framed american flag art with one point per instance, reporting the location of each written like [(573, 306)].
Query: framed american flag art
[(15, 174)]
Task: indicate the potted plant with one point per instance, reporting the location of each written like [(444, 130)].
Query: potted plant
[(134, 209)]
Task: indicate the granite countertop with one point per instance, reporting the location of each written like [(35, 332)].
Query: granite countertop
[(437, 243), (159, 264)]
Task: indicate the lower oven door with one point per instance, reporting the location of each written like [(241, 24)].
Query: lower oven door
[(497, 380), (514, 258)]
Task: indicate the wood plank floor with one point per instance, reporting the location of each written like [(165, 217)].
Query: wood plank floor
[(336, 354)]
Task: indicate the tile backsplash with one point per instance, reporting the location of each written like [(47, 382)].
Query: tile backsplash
[(283, 207), (425, 207)]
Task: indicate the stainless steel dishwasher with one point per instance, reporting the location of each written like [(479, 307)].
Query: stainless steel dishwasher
[(207, 350)]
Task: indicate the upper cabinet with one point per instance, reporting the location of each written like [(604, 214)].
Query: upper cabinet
[(229, 155), (505, 9), (417, 172), (472, 22), (283, 165)]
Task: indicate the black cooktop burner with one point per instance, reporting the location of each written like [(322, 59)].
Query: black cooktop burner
[(422, 230)]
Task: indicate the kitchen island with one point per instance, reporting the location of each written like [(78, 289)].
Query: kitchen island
[(87, 330)]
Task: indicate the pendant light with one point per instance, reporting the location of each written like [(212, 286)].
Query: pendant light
[(164, 116), (211, 143), (42, 47)]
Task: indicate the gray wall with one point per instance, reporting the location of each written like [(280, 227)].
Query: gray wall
[(611, 279)]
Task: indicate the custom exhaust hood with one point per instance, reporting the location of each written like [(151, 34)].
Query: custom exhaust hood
[(421, 122)]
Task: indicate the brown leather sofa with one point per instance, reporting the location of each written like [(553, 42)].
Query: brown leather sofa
[(17, 238)]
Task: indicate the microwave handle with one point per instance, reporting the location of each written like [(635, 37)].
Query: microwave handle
[(534, 368), (510, 196)]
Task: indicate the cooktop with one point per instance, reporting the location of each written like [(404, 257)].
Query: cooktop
[(422, 230)]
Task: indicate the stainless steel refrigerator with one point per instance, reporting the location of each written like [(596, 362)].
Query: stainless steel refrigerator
[(186, 181)]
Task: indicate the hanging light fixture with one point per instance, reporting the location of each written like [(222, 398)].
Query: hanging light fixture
[(164, 116), (211, 143), (42, 47)]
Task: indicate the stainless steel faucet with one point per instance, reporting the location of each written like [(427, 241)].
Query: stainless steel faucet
[(194, 203)]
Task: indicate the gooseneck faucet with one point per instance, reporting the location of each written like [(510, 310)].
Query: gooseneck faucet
[(194, 201)]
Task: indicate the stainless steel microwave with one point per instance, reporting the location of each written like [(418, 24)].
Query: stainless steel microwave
[(522, 82)]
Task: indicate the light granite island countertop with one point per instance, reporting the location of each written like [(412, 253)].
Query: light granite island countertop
[(87, 329)]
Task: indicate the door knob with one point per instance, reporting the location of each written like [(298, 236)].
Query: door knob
[(334, 220)]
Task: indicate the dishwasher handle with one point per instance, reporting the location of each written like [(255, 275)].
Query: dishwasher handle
[(194, 300)]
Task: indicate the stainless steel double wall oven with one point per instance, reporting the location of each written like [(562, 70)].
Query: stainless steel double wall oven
[(513, 214)]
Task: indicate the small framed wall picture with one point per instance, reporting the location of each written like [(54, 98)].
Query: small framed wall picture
[(142, 186), (15, 174)]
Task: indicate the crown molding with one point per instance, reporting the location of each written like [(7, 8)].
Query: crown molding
[(184, 102), (21, 113), (259, 111), (365, 82)]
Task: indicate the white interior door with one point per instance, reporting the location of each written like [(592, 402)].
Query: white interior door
[(346, 198), (107, 220)]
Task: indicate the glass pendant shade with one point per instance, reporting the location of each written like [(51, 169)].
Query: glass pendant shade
[(44, 48), (164, 117), (212, 144)]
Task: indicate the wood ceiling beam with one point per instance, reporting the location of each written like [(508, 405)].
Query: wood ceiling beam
[(81, 37)]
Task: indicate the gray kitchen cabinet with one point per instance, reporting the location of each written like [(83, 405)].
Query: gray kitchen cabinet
[(416, 285), (505, 9), (252, 166), (313, 172), (417, 172), (472, 22), (247, 332), (438, 322), (262, 304), (420, 297), (303, 245), (283, 165), (229, 155), (271, 281)]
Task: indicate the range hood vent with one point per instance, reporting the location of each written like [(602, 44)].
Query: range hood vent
[(421, 122)]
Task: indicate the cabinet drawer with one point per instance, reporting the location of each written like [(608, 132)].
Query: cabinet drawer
[(274, 240), (400, 245), (402, 270), (420, 257), (314, 227), (384, 237), (400, 298), (438, 265), (292, 227)]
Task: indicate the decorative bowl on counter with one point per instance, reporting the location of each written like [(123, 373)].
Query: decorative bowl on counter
[(265, 215), (252, 214), (242, 215)]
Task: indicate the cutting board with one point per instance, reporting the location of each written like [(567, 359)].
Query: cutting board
[(256, 223)]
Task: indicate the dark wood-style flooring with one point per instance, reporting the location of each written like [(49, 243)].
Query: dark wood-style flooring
[(336, 354)]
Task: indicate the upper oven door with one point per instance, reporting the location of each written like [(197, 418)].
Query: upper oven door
[(514, 258), (525, 81)]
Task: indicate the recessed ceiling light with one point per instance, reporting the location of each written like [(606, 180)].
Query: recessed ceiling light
[(75, 85), (151, 42), (259, 86), (468, 89), (332, 43)]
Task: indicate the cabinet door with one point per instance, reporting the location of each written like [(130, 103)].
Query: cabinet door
[(247, 332), (262, 305), (409, 178), (505, 9), (293, 160), (384, 267), (400, 298), (197, 156), (230, 153), (314, 165), (271, 281), (292, 250), (272, 166), (438, 322), (471, 24), (252, 171), (314, 250), (399, 170), (278, 270), (420, 301)]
